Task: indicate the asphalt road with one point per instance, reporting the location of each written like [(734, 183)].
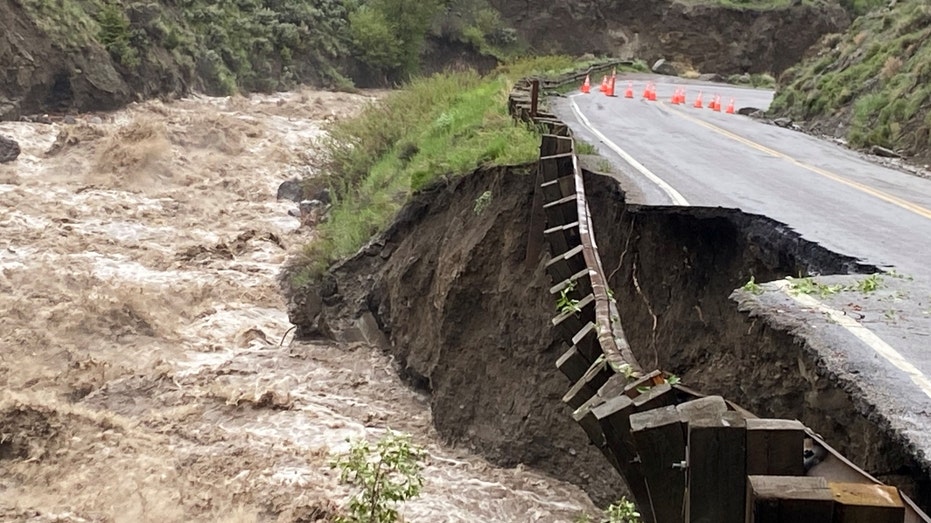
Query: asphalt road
[(677, 154)]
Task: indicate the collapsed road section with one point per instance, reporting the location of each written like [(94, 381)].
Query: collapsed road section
[(458, 290)]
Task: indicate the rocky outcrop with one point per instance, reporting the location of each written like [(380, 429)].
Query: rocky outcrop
[(9, 150), (714, 38)]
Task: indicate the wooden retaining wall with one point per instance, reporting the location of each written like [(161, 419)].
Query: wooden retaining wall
[(687, 458)]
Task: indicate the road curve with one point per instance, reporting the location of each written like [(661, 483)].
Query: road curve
[(680, 155)]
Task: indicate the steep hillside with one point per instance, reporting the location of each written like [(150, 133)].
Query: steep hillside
[(100, 54), (94, 54), (871, 85), (721, 36)]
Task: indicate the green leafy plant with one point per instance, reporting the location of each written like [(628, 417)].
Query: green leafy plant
[(752, 287), (564, 303), (386, 474), (624, 511), (869, 284), (810, 286), (481, 203)]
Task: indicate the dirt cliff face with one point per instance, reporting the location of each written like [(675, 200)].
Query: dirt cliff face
[(709, 38), (467, 318)]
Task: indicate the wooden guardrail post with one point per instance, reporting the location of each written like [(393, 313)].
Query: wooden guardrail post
[(775, 447), (789, 499), (534, 97), (717, 469)]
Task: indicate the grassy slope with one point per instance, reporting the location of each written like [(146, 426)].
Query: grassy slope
[(442, 126), (875, 80)]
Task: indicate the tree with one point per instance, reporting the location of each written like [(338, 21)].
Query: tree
[(388, 35)]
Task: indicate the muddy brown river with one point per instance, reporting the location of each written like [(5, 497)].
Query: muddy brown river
[(145, 370)]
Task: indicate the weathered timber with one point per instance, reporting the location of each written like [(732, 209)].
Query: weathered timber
[(658, 396), (660, 443), (561, 211), (567, 234), (614, 417), (552, 126), (588, 385), (650, 380), (569, 322), (863, 503), (579, 281), (709, 406), (537, 224), (551, 145), (563, 265), (586, 342), (789, 499), (717, 469), (572, 364), (775, 447), (589, 423), (559, 239), (558, 188), (556, 166)]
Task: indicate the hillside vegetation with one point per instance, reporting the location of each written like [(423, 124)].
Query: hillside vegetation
[(100, 54), (871, 85), (438, 127)]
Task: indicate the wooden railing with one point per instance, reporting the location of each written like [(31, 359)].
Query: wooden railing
[(685, 457)]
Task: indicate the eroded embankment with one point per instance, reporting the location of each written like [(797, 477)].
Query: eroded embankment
[(468, 317), (675, 270)]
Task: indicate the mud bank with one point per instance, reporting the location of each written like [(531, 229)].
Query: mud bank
[(467, 318), (466, 315)]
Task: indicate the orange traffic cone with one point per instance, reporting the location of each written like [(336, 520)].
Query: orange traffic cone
[(698, 103), (682, 96), (611, 82), (730, 107), (604, 84), (587, 85), (629, 93), (652, 92), (716, 104), (646, 92)]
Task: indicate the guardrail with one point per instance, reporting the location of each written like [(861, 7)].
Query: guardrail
[(685, 457)]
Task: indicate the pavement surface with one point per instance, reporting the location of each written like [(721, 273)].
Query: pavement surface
[(876, 334)]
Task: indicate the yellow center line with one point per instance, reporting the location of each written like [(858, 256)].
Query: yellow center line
[(882, 195)]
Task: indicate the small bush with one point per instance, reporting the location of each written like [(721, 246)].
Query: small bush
[(386, 474)]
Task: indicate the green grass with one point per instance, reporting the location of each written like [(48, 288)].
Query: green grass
[(442, 126), (876, 78)]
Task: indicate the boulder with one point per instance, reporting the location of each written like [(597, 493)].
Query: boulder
[(663, 67), (884, 152), (9, 150), (783, 122), (750, 111), (292, 190)]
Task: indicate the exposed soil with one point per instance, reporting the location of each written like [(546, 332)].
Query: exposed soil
[(714, 39), (675, 271), (468, 318), (143, 375)]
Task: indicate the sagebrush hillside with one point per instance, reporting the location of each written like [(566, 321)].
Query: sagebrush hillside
[(871, 85)]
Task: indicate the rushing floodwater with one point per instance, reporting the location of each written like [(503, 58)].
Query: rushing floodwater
[(142, 371)]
